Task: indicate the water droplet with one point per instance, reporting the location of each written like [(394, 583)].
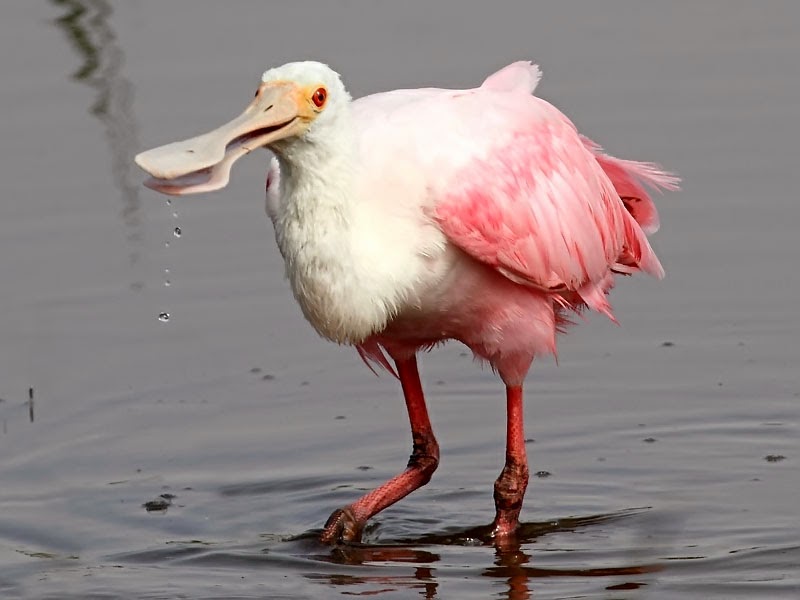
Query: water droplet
[(177, 232), (163, 317), (166, 244), (167, 283), (175, 214), (169, 202), (166, 271)]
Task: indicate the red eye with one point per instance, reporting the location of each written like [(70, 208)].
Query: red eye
[(319, 97)]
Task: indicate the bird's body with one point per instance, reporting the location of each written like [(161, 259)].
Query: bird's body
[(412, 217), (477, 215)]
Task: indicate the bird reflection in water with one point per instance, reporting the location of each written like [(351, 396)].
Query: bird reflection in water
[(513, 560)]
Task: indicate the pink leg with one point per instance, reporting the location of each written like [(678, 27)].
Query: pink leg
[(509, 489), (346, 524)]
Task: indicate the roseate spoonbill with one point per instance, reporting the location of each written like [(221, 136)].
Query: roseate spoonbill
[(416, 216)]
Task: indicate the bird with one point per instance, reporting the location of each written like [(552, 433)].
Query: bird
[(413, 217)]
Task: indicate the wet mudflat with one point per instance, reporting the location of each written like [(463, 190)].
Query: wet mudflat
[(188, 434)]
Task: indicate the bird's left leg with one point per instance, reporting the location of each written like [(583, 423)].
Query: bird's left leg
[(509, 489), (346, 524)]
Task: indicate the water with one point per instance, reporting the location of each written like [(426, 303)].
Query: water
[(244, 430)]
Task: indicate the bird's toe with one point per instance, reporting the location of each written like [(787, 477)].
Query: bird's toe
[(342, 527)]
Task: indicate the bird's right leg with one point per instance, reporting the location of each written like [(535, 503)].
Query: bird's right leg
[(509, 489), (347, 523)]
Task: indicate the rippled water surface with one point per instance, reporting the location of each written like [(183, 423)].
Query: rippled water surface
[(170, 427)]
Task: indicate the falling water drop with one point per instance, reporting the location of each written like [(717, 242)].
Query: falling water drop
[(177, 232), (175, 214), (167, 283), (163, 317), (166, 244)]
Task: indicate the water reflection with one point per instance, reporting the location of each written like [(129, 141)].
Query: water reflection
[(427, 566), (421, 580), (511, 564), (512, 561), (86, 25)]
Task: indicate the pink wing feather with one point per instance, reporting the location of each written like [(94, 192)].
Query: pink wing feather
[(510, 181), (628, 177), (541, 206)]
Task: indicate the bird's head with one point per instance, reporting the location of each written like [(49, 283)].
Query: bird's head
[(297, 101)]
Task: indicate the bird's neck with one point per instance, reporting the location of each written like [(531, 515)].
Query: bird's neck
[(317, 192), (317, 175), (316, 230)]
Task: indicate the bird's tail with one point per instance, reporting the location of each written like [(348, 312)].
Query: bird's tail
[(629, 178)]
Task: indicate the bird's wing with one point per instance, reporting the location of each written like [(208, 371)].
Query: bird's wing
[(509, 180), (629, 178)]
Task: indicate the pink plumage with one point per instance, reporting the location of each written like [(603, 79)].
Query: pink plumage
[(511, 184), (413, 217)]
